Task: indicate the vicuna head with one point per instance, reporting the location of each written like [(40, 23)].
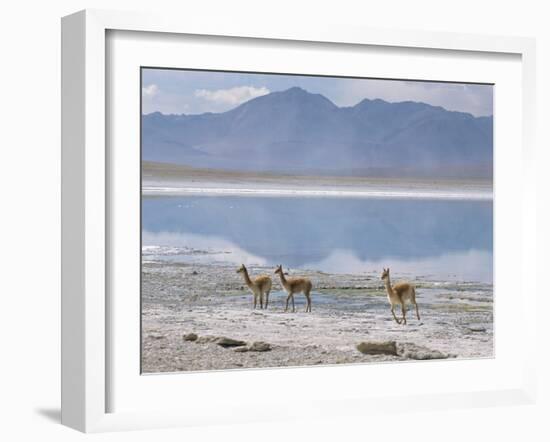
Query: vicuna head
[(280, 271), (385, 274), (241, 269)]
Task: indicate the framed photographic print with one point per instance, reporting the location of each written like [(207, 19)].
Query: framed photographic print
[(263, 169), (291, 208)]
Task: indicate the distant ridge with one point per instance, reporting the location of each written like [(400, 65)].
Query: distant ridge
[(297, 131)]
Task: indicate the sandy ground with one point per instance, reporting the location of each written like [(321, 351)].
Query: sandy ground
[(212, 301)]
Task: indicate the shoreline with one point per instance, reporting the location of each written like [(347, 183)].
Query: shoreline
[(185, 189), (172, 180), (212, 301)]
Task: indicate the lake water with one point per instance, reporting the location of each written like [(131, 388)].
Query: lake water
[(434, 238)]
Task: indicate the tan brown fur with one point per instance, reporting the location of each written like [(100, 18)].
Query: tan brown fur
[(400, 293), (295, 285), (258, 286)]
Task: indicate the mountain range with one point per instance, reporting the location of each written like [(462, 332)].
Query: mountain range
[(298, 132)]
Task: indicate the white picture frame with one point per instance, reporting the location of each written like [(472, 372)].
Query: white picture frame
[(87, 206)]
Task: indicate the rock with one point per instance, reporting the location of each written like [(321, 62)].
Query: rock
[(194, 272), (241, 349), (420, 353), (206, 339), (477, 329), (229, 342), (260, 346), (378, 348), (190, 337), (425, 355)]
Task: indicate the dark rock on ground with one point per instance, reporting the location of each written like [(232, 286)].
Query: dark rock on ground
[(229, 342), (190, 337), (419, 352), (477, 329), (260, 346), (206, 339), (378, 348)]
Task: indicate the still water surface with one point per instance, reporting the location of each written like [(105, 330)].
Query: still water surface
[(435, 238)]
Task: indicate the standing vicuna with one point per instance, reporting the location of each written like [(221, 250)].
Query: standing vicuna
[(258, 286), (400, 293), (295, 285)]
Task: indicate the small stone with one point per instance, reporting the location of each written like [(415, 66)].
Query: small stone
[(477, 329), (409, 350), (206, 339), (194, 272), (425, 355), (260, 346), (378, 348), (190, 337), (229, 342), (241, 349)]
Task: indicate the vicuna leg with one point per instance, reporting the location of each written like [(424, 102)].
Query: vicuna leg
[(415, 304), (287, 299), (266, 298), (404, 311), (393, 313), (261, 300), (308, 306), (255, 300), (293, 307)]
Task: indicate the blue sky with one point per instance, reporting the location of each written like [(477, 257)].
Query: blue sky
[(195, 92)]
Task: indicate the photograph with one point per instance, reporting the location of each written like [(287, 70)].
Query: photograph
[(292, 220)]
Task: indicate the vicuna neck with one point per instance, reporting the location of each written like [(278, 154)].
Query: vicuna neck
[(282, 276), (388, 284), (246, 277)]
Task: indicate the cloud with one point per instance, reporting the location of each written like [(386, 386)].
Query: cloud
[(150, 91), (233, 96)]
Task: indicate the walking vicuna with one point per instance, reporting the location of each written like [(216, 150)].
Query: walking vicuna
[(400, 293), (295, 285), (258, 286)]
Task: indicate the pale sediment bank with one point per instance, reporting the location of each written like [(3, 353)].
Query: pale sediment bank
[(162, 180), (358, 192), (211, 300)]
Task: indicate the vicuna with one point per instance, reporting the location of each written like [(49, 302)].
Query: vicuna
[(258, 286), (400, 293), (295, 285)]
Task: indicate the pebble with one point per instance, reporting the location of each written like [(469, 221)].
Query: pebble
[(229, 342), (378, 348), (477, 329), (260, 346), (190, 337)]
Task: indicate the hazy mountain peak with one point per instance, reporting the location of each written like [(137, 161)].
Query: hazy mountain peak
[(368, 102), (296, 131), (296, 90), (299, 94)]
